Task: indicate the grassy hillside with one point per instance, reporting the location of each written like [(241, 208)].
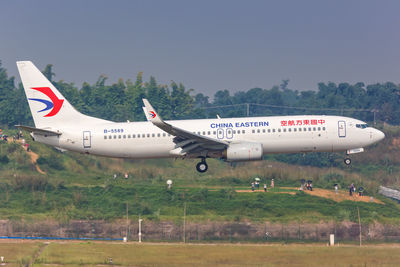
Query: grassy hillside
[(79, 186)]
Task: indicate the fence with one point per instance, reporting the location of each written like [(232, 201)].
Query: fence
[(204, 231)]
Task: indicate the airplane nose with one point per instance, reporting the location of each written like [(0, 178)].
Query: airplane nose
[(379, 135)]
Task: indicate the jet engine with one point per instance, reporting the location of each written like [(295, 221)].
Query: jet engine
[(243, 151)]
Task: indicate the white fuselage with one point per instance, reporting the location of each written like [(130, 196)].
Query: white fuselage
[(278, 134)]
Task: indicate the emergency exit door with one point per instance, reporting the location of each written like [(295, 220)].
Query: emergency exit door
[(342, 128), (87, 142)]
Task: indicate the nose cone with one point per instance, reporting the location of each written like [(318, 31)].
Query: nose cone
[(378, 135)]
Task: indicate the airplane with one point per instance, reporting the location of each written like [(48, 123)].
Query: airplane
[(59, 124)]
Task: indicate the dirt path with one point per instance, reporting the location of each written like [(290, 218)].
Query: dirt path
[(34, 158), (340, 196), (38, 253), (32, 155), (258, 191)]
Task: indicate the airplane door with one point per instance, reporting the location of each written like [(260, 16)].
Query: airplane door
[(87, 142), (220, 133), (342, 128)]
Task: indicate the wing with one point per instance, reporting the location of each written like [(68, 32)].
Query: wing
[(186, 142)]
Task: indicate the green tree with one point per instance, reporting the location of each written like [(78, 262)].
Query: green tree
[(135, 93), (181, 101), (48, 72)]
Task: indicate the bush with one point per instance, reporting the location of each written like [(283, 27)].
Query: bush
[(51, 162), (320, 159), (4, 159), (37, 183)]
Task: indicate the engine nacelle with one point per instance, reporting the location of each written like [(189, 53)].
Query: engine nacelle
[(244, 151)]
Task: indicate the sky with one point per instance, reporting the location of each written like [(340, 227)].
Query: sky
[(206, 45)]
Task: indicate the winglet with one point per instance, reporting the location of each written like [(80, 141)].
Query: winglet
[(148, 117), (151, 114)]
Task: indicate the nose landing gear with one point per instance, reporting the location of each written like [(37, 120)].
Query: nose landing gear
[(202, 166)]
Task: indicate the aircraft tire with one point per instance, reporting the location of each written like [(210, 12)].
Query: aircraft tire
[(347, 161), (202, 166)]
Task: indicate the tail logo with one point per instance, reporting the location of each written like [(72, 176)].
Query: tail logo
[(55, 104), (152, 114)]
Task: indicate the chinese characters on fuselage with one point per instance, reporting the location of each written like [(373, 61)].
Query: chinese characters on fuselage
[(302, 122)]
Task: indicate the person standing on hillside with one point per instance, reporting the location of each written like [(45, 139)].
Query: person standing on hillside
[(361, 191), (272, 183), (265, 187), (252, 187), (336, 189), (351, 188)]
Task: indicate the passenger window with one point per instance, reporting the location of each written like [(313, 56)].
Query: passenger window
[(314, 129), (319, 128), (208, 133), (158, 135), (234, 131), (143, 135), (214, 132), (299, 129), (263, 130), (129, 136), (119, 136), (305, 129), (153, 135), (164, 134), (115, 137), (290, 129), (169, 135), (284, 130), (253, 131), (258, 130), (105, 137), (323, 128), (138, 136), (309, 129), (148, 135), (204, 133), (243, 131), (133, 136), (238, 131), (294, 129), (109, 137), (124, 136), (273, 130), (279, 130)]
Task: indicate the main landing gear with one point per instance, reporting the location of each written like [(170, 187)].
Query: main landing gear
[(202, 166), (347, 161)]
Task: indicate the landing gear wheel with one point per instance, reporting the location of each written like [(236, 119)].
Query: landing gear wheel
[(202, 166), (347, 161)]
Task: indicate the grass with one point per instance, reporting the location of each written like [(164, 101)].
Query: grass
[(18, 253), (93, 253), (40, 199), (81, 186)]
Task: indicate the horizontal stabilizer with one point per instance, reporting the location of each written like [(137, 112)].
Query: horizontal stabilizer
[(38, 131)]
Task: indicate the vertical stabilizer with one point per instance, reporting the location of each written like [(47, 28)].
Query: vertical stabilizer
[(48, 107)]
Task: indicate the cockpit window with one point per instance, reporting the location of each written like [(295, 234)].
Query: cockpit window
[(362, 126)]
